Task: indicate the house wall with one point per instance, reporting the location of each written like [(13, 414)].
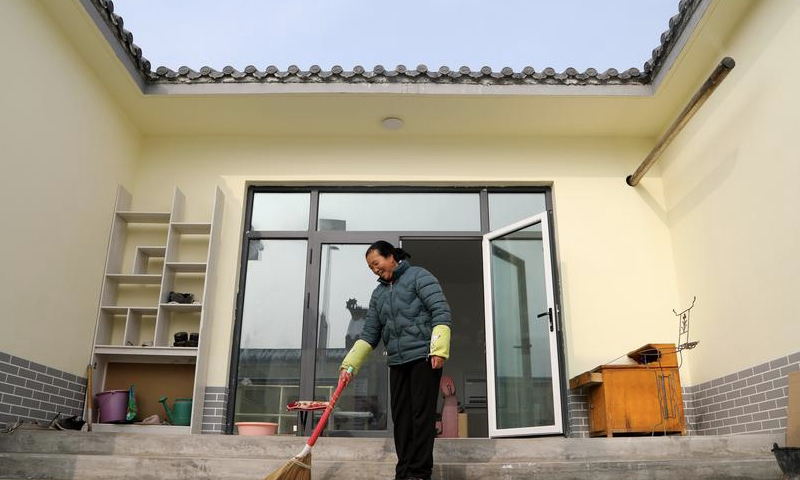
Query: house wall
[(714, 219), (732, 186), (64, 145), (613, 241)]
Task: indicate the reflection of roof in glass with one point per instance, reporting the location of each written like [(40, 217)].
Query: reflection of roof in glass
[(401, 74), (261, 356), (256, 364)]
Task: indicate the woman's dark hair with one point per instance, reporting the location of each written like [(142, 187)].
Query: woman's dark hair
[(386, 249)]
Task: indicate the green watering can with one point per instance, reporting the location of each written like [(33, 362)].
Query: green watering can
[(181, 411)]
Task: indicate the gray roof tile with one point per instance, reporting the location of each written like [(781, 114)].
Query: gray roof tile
[(401, 74), (677, 23)]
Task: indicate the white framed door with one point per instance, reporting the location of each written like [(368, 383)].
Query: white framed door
[(522, 379)]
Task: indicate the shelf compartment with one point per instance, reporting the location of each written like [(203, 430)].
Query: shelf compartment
[(132, 295), (143, 256), (127, 354), (173, 318), (111, 326), (152, 381), (187, 267), (197, 228), (144, 217), (140, 329), (135, 278)]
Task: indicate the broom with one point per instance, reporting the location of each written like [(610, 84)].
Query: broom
[(299, 467), (89, 397)]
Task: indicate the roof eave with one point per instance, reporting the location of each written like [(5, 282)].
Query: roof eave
[(421, 80)]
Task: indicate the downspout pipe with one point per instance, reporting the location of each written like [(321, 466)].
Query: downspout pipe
[(705, 91)]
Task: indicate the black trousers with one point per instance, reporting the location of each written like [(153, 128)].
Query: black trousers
[(414, 392)]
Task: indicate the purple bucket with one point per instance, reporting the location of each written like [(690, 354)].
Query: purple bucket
[(112, 406)]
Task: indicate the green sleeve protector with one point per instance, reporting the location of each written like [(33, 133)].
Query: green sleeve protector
[(356, 356), (440, 341)]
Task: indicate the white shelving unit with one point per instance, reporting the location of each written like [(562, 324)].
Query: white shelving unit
[(133, 326)]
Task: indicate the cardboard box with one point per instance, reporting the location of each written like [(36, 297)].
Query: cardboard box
[(463, 425), (793, 411)]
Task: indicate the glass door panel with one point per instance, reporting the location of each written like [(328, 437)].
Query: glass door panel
[(524, 397), (445, 212), (280, 211), (272, 320), (346, 285), (508, 208)]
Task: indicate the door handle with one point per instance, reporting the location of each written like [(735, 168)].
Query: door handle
[(549, 313)]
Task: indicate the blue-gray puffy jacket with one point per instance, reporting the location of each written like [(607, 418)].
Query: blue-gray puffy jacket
[(403, 312)]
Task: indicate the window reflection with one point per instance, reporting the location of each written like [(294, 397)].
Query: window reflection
[(523, 374), (272, 321), (508, 208), (280, 211), (346, 286), (449, 212)]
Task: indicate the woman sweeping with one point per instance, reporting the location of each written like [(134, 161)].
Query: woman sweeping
[(409, 313)]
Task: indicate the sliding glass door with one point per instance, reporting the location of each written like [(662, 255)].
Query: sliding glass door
[(346, 285), (271, 332)]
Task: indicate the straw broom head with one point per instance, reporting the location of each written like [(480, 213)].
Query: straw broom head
[(294, 469), (299, 467)]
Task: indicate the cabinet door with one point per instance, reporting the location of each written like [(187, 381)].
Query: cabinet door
[(643, 400), (597, 411)]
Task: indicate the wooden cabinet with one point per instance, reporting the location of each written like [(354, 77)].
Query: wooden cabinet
[(640, 398)]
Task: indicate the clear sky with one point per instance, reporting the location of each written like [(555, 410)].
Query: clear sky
[(502, 33)]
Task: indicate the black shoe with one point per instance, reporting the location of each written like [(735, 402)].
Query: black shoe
[(69, 423)]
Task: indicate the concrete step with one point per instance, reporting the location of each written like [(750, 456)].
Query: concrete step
[(382, 449), (116, 456), (94, 467)]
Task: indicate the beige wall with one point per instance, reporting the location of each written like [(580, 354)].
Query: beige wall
[(732, 185), (613, 240), (64, 146)]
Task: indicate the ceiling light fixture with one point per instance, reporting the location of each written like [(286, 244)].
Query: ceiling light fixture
[(392, 123)]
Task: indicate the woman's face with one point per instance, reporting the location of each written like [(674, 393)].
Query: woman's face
[(380, 265)]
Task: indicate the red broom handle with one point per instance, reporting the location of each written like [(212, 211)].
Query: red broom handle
[(327, 413)]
